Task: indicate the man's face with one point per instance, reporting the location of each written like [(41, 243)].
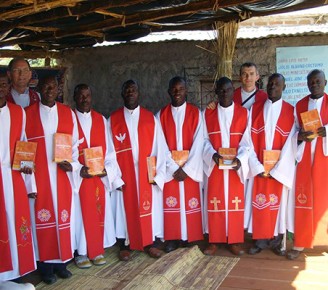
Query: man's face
[(248, 78), (130, 96), (49, 91), (316, 84), (178, 93), (225, 94), (275, 87), (4, 86), (83, 100), (20, 74)]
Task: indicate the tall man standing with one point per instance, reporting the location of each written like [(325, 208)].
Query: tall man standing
[(138, 135), (93, 206), (19, 73), (52, 218), (311, 187), (183, 130)]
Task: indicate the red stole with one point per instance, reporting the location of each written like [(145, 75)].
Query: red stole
[(50, 245), (311, 191), (92, 191), (138, 211), (172, 225), (34, 97), (266, 196), (260, 96), (216, 199), (21, 204)]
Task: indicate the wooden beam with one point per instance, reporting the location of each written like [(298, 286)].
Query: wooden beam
[(29, 54), (38, 29), (8, 3)]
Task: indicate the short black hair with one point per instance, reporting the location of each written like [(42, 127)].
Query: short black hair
[(315, 72), (16, 59), (277, 75), (176, 79), (127, 83), (222, 81), (78, 88)]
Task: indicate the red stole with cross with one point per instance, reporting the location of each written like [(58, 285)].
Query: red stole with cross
[(311, 191), (260, 96), (138, 210), (21, 207), (34, 97), (216, 204), (266, 196), (92, 190), (51, 246), (172, 224)]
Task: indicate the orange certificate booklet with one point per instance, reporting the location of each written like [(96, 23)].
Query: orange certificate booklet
[(228, 154), (180, 157), (151, 166), (24, 155), (311, 121), (270, 158), (94, 159), (62, 147)]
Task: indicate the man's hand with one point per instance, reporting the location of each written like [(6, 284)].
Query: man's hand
[(321, 132), (103, 174), (66, 166), (306, 136), (216, 158), (84, 172), (180, 175), (211, 105), (238, 164), (26, 170), (32, 195)]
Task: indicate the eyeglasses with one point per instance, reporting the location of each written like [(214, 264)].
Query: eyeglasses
[(20, 70)]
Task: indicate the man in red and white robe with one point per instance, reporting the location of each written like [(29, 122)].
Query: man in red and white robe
[(224, 188), (182, 125), (96, 230), (271, 128), (309, 209), (53, 210), (139, 208)]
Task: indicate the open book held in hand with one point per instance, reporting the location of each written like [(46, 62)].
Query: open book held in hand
[(63, 147), (311, 122), (180, 156), (94, 160), (151, 167), (270, 159), (228, 155), (24, 155)]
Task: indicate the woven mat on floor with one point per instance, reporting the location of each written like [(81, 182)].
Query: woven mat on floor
[(185, 268)]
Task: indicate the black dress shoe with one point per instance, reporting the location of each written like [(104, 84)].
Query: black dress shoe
[(49, 279), (254, 250), (171, 246), (63, 273), (279, 252), (293, 254)]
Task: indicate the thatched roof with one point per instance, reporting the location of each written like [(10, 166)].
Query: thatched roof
[(45, 25)]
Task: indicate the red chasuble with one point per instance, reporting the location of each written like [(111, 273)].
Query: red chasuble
[(266, 196), (260, 96), (172, 225), (21, 207), (92, 191), (138, 210), (34, 97), (311, 191), (216, 198), (50, 244)]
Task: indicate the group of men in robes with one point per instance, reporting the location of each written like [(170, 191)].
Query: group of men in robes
[(74, 211)]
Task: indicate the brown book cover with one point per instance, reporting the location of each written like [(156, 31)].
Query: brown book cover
[(94, 159), (180, 156), (311, 121), (270, 158), (24, 155), (63, 147), (228, 154), (151, 166)]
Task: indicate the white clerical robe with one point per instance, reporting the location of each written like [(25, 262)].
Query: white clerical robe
[(49, 120), (245, 95), (111, 181), (23, 99), (5, 164), (193, 167), (284, 170), (225, 120), (159, 150)]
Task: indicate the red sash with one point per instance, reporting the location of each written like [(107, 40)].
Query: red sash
[(311, 191), (34, 97), (172, 225), (138, 211), (21, 204), (266, 196), (92, 191), (260, 96), (216, 198), (50, 245)]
